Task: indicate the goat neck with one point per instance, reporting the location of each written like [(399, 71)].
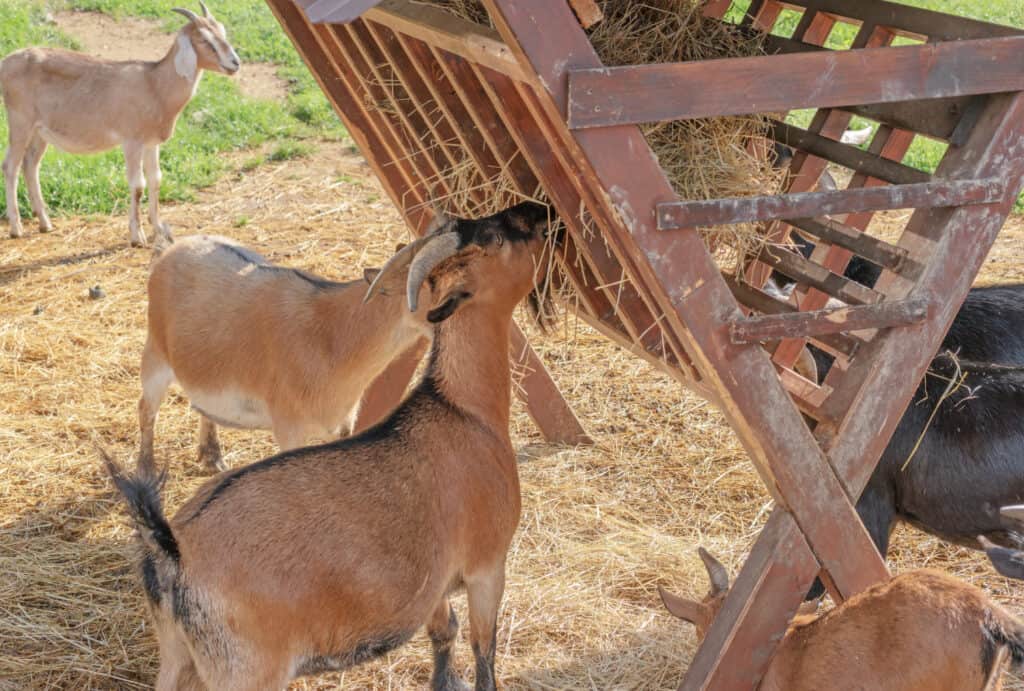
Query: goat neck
[(175, 77), (469, 364)]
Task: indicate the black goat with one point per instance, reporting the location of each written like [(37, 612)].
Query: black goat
[(970, 460)]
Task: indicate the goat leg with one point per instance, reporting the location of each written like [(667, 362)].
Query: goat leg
[(485, 592), (18, 143), (30, 166), (442, 629)]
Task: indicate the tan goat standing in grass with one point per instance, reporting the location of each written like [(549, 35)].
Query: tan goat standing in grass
[(919, 631), (324, 557), (85, 105), (260, 346)]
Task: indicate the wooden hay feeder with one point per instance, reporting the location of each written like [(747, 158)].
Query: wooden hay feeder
[(532, 101)]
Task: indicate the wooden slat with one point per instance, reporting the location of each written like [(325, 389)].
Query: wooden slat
[(606, 97), (915, 22), (441, 29), (828, 321), (587, 12), (762, 302), (867, 246), (681, 276), (938, 118), (679, 215), (847, 155), (817, 276)]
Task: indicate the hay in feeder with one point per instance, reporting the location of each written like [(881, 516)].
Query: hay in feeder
[(710, 158)]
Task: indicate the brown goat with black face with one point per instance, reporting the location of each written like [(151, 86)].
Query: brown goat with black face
[(324, 557), (919, 631)]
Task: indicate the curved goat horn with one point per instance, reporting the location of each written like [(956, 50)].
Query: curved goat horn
[(206, 10), (400, 260), (437, 249), (716, 572), (189, 14)]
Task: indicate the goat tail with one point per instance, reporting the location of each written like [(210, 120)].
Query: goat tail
[(1003, 630), (141, 492)]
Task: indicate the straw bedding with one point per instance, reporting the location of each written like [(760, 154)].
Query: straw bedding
[(601, 526)]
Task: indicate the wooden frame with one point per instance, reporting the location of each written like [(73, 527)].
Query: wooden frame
[(533, 101)]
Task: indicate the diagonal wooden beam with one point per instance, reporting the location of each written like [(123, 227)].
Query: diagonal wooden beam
[(609, 96), (697, 304)]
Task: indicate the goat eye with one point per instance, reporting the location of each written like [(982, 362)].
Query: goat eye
[(500, 240)]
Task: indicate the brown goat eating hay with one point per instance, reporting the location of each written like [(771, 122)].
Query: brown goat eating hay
[(324, 557), (920, 631)]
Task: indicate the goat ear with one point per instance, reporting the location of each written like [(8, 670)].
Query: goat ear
[(369, 274), (448, 307), (687, 610)]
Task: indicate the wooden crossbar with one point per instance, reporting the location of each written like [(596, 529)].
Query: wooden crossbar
[(440, 29), (678, 215), (869, 247), (762, 302), (817, 276), (847, 155), (828, 321), (609, 96)]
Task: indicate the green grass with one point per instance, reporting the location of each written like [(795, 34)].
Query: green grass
[(218, 120)]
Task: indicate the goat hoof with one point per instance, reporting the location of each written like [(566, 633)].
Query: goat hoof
[(45, 227), (16, 232), (213, 465), (135, 242)]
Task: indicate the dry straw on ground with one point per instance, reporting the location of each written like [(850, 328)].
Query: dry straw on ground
[(601, 526)]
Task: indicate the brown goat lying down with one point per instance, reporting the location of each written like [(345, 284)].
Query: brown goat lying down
[(919, 631), (260, 346), (320, 558)]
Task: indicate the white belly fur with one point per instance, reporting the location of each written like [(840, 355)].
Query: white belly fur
[(231, 408), (74, 147)]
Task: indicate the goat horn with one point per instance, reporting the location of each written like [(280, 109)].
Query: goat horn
[(716, 572), (437, 249), (206, 10), (399, 260), (1014, 513), (189, 14)]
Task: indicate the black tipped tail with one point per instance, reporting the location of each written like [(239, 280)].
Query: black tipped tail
[(142, 494)]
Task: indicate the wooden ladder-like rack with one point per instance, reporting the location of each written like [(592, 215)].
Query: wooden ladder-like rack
[(532, 101)]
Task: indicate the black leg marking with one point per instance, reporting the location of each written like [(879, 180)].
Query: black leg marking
[(485, 666), (444, 678)]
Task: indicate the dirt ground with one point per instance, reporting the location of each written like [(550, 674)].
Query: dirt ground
[(601, 528), (131, 38)]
